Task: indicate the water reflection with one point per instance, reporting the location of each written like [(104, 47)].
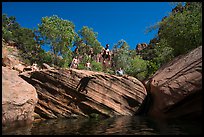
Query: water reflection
[(17, 129), (123, 125)]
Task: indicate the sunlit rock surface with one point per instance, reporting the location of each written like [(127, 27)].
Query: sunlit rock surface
[(72, 92), (176, 88), (18, 98)]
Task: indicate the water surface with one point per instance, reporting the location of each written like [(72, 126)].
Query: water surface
[(123, 125)]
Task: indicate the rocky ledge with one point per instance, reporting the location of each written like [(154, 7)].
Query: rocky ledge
[(71, 92)]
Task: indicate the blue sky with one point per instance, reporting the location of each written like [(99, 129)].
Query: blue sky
[(112, 21)]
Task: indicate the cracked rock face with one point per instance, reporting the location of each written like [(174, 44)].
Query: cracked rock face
[(176, 87), (18, 98), (72, 92)]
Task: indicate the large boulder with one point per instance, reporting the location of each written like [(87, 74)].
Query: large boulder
[(18, 98), (176, 87), (72, 92), (10, 57)]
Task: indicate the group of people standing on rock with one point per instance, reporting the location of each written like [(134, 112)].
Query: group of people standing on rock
[(104, 57)]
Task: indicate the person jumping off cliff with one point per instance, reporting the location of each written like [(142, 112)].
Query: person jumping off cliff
[(81, 87)]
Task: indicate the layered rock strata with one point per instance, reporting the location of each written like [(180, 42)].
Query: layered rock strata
[(72, 92)]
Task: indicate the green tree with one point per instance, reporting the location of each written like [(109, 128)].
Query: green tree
[(96, 66), (182, 29), (9, 25), (89, 37), (162, 52), (82, 47), (137, 68), (28, 42), (121, 56), (157, 56), (59, 34)]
